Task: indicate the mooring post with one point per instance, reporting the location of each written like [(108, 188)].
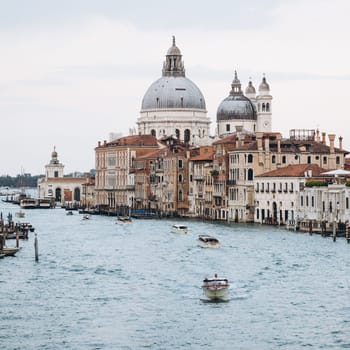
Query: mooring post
[(347, 232), (36, 248), (17, 239), (334, 231)]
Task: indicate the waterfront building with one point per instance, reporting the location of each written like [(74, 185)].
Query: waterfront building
[(279, 193), (174, 106), (325, 201), (200, 178), (115, 164), (60, 188)]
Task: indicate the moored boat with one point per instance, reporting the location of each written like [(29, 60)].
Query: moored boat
[(180, 229), (9, 251), (28, 203), (206, 241), (215, 288)]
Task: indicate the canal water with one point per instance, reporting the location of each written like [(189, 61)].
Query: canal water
[(102, 285)]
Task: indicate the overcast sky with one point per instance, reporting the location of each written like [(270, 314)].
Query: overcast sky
[(73, 71)]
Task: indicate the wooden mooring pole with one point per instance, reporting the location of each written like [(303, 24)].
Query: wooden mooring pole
[(36, 248)]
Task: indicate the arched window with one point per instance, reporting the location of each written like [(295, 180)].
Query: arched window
[(267, 107), (58, 194), (77, 194), (187, 135), (177, 133), (180, 195), (250, 174), (273, 159), (180, 177), (153, 132), (263, 107), (250, 158)]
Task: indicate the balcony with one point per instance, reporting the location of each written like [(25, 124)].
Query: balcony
[(218, 194), (130, 187)]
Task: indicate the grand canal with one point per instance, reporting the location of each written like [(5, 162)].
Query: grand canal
[(100, 285)]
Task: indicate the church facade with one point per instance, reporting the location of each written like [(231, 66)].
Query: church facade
[(174, 106)]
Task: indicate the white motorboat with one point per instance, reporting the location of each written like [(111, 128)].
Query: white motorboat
[(215, 288), (206, 241), (86, 217), (180, 229)]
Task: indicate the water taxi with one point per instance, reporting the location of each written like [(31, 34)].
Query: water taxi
[(206, 241), (215, 288), (180, 229)]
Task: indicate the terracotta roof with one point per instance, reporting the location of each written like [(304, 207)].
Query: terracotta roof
[(133, 140), (297, 170), (205, 156), (79, 180)]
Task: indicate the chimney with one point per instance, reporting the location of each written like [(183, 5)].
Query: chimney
[(340, 143), (99, 144), (104, 142), (323, 138), (318, 136), (331, 142)]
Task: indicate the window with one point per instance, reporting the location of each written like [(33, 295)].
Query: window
[(309, 159), (177, 134), (250, 174), (312, 201), (55, 174), (301, 201), (347, 203), (284, 160), (180, 195), (180, 163), (250, 158), (325, 160), (153, 132), (180, 178), (337, 160), (227, 127), (273, 159), (187, 135)]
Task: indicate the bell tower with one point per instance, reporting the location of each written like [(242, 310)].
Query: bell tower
[(264, 110), (54, 168)]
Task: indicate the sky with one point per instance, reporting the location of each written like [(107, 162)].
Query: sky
[(74, 71)]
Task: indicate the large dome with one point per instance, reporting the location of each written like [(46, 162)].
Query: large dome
[(173, 92), (173, 89), (236, 105)]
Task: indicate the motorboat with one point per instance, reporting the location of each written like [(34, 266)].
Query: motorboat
[(124, 220), (180, 229), (86, 217), (206, 241), (69, 212), (215, 288)]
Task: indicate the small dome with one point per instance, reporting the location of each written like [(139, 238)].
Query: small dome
[(54, 153), (236, 107), (250, 89), (264, 86)]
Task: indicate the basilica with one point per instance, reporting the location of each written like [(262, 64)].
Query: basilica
[(174, 106)]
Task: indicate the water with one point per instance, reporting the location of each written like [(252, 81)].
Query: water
[(99, 285)]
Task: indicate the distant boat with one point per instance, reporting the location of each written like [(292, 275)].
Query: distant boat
[(86, 217), (20, 214), (206, 241), (215, 288), (123, 220), (28, 203), (69, 212), (180, 229)]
